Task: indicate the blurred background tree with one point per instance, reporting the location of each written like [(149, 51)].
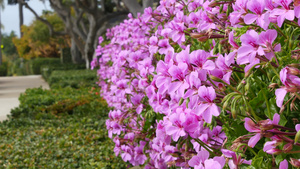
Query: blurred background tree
[(83, 21), (9, 49), (36, 40)]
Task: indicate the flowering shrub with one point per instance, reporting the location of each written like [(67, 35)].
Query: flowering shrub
[(205, 84)]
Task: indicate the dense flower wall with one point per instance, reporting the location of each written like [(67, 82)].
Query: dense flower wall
[(205, 84)]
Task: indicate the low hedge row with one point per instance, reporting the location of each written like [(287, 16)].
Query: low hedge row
[(37, 63), (77, 141), (43, 66), (46, 70), (58, 128), (37, 102), (3, 69), (72, 78)]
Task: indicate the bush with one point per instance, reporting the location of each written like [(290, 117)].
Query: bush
[(48, 130), (3, 69), (59, 128), (37, 63), (37, 101), (20, 67), (46, 70), (73, 78)]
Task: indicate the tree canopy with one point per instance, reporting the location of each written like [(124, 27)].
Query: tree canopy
[(37, 41), (7, 41)]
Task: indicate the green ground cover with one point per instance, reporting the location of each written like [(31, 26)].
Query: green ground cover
[(58, 128), (72, 78)]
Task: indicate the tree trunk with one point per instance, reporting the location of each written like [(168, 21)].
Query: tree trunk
[(76, 56), (147, 3), (89, 49), (133, 6), (21, 17), (0, 40)]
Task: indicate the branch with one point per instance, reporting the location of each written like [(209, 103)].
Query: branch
[(77, 20), (83, 27), (110, 16), (51, 29), (88, 6), (147, 3), (59, 7), (133, 6)]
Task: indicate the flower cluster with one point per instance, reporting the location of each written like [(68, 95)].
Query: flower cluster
[(189, 83)]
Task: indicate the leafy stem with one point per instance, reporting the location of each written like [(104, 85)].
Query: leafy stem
[(222, 81), (279, 30), (204, 146), (250, 109)]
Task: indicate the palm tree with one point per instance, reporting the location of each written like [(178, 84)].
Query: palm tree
[(21, 15), (1, 7)]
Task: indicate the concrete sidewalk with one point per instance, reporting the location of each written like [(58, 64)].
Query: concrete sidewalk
[(12, 87)]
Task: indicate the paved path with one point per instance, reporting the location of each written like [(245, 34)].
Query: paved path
[(12, 87)]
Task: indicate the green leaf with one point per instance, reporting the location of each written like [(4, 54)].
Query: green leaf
[(283, 120), (258, 100), (257, 162), (278, 159), (273, 107)]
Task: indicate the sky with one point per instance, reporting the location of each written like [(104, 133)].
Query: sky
[(10, 15)]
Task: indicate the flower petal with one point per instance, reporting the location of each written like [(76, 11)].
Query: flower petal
[(209, 65), (297, 127), (250, 125), (280, 94), (253, 140), (195, 160), (250, 18), (276, 118), (284, 164), (207, 115), (201, 108), (214, 110)]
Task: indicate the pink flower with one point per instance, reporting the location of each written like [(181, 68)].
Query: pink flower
[(235, 160), (266, 40), (206, 23), (139, 156), (255, 128), (127, 153), (199, 59), (270, 146), (257, 7), (224, 63), (207, 108), (165, 47), (201, 161), (291, 84), (249, 49), (176, 127), (198, 160), (179, 83), (239, 9), (194, 83), (285, 12), (194, 18)]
